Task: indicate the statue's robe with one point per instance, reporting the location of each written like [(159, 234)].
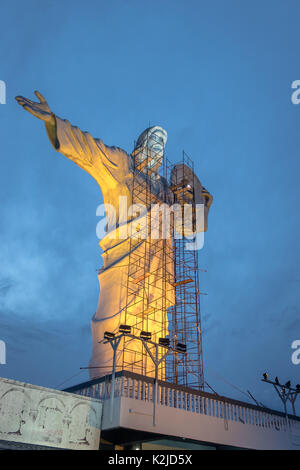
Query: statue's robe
[(123, 298)]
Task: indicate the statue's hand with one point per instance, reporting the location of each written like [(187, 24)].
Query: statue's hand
[(40, 110)]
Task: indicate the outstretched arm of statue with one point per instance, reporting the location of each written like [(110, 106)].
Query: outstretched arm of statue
[(42, 111), (80, 147)]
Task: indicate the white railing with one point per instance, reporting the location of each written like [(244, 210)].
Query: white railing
[(192, 401)]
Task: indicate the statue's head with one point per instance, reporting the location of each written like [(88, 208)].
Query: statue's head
[(150, 146)]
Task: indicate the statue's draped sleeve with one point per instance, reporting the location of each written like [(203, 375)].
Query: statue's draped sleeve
[(91, 154)]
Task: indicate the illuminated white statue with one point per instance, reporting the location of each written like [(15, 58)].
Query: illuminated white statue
[(113, 169)]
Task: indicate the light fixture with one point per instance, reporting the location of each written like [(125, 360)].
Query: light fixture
[(265, 376), (277, 381), (146, 335), (125, 329), (164, 342), (298, 387), (180, 347), (288, 384), (108, 335)]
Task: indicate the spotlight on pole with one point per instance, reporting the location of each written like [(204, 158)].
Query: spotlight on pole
[(265, 376), (108, 335), (146, 335), (288, 384), (164, 342), (277, 381), (180, 347), (125, 329), (298, 387)]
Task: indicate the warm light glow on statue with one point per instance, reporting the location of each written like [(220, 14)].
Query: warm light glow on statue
[(113, 168)]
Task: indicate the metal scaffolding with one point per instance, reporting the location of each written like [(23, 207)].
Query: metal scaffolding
[(150, 266), (185, 317), (162, 293)]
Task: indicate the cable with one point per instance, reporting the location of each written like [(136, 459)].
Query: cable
[(211, 389), (75, 375), (227, 382)]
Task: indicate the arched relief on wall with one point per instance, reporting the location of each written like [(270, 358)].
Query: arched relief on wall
[(50, 418), (52, 397), (17, 389), (81, 432), (11, 411)]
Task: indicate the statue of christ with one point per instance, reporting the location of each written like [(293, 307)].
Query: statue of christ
[(114, 170)]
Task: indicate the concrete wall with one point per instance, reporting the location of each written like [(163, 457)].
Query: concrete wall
[(42, 416)]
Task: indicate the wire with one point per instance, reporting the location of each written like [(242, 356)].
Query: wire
[(75, 375), (227, 382), (211, 388)]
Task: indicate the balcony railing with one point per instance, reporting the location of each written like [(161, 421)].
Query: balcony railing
[(137, 387)]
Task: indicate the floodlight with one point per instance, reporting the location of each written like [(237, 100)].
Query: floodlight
[(146, 335), (180, 347), (164, 342), (108, 335), (125, 329)]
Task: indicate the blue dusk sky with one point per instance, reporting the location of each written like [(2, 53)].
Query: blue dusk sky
[(217, 75)]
